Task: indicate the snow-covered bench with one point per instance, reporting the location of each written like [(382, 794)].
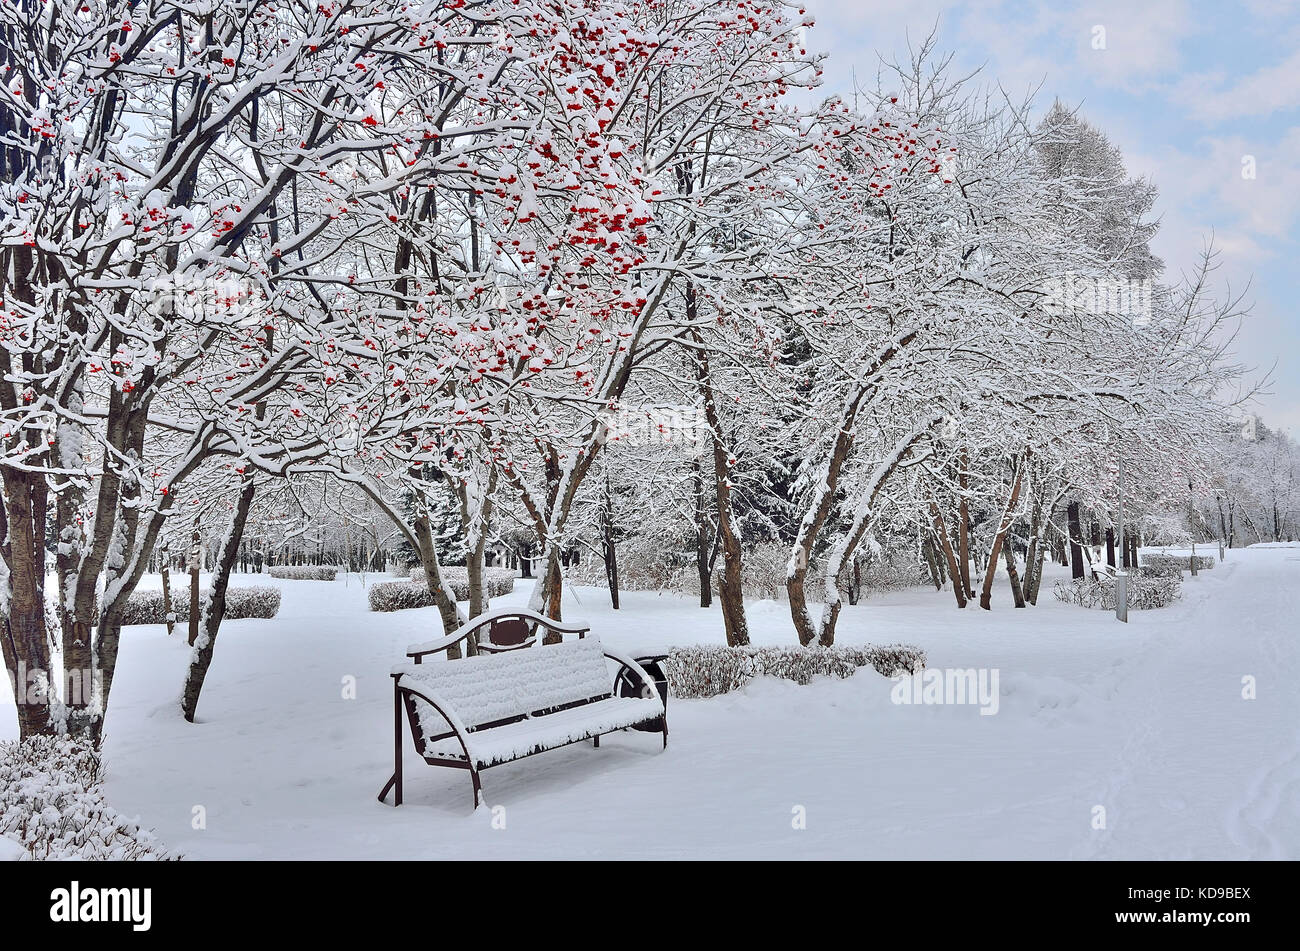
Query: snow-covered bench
[(483, 711), (504, 630), (1098, 567)]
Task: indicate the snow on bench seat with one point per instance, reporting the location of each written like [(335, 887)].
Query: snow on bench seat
[(512, 741), (494, 687)]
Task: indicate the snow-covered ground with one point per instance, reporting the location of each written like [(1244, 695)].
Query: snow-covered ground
[(1146, 720)]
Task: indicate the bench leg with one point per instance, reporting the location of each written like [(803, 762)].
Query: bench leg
[(595, 741), (478, 787), (395, 781), (664, 722)]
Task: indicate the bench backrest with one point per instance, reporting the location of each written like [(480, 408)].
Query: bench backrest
[(494, 688), (508, 632)]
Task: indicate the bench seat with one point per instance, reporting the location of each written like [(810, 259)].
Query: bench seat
[(511, 741)]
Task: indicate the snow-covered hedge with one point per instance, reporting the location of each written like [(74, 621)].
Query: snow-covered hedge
[(259, 602), (496, 581), (706, 671), (52, 803), (400, 595), (146, 607), (1181, 562), (1161, 570), (1144, 592), (303, 572)]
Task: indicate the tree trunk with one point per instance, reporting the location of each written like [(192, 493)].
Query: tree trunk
[(963, 528), (23, 636), (932, 563), (1008, 513), (703, 537), (1017, 593), (1031, 595), (478, 600), (863, 514), (475, 510), (809, 528), (169, 609), (823, 499), (941, 531), (553, 590), (215, 609), (76, 629), (443, 598), (196, 554), (610, 551), (731, 588), (1074, 529), (1034, 548)]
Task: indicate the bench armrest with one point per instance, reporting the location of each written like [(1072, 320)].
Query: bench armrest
[(444, 709), (647, 682)]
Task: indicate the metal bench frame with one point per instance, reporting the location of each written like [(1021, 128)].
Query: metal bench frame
[(405, 696)]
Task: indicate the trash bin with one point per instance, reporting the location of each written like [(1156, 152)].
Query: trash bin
[(626, 686)]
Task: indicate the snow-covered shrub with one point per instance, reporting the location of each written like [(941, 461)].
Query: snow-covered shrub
[(303, 572), (1160, 570), (1181, 562), (496, 581), (146, 607), (706, 671), (259, 602), (893, 576), (1147, 593), (1144, 592), (884, 571), (765, 566), (640, 569), (889, 660), (52, 802), (398, 596)]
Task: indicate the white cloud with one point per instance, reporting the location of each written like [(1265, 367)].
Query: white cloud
[(1271, 89), (1143, 41)]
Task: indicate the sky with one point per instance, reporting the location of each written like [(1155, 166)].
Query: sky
[(1195, 94)]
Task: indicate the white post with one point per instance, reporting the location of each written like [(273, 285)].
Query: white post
[(1121, 573)]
